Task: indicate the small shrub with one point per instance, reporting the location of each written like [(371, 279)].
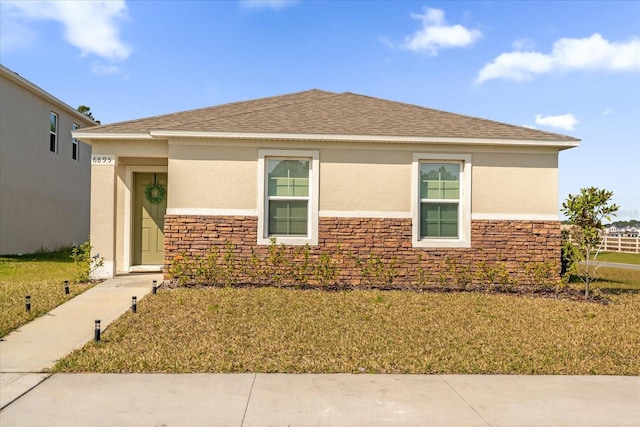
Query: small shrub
[(277, 263), (179, 269), (228, 268), (84, 262), (301, 268), (505, 281), (458, 273), (255, 271), (487, 275), (542, 276), (423, 274), (326, 271), (375, 272)]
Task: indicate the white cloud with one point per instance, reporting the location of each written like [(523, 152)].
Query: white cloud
[(91, 26), (267, 4), (607, 112), (435, 34), (565, 121), (593, 53)]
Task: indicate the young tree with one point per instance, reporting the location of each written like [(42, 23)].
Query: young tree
[(586, 211)]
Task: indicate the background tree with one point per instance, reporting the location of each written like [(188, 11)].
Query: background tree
[(586, 211), (83, 109)]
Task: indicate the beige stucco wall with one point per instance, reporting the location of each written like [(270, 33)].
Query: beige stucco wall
[(110, 210), (103, 217), (213, 177), (44, 196), (364, 178), (515, 183)]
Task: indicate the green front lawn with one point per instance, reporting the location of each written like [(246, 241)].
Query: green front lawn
[(39, 275), (285, 330), (618, 257)]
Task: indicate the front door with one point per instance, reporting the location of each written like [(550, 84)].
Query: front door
[(150, 206)]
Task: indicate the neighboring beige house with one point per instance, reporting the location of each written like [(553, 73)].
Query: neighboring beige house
[(324, 169), (44, 173)]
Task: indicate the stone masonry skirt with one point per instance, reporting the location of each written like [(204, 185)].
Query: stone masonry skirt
[(375, 252)]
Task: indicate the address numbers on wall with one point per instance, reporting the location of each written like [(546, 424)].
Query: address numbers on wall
[(103, 160)]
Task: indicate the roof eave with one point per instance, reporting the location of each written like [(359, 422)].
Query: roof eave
[(91, 136), (26, 84), (265, 136), (171, 134)]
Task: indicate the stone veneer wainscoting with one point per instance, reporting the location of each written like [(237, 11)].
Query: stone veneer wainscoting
[(509, 242)]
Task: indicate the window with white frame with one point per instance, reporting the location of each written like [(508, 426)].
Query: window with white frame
[(53, 132), (75, 147), (441, 200), (288, 191)]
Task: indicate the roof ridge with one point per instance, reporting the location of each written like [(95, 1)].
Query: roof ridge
[(461, 115)]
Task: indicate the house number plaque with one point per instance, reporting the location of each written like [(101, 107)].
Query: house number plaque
[(103, 159)]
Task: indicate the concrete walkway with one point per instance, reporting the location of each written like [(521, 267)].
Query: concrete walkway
[(37, 345), (31, 397)]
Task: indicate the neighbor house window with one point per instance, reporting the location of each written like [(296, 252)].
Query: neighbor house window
[(442, 200), (75, 147), (288, 191), (53, 132)]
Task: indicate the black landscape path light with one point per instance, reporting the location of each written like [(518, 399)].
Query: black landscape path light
[(27, 303), (155, 287), (66, 287), (134, 304), (97, 331)]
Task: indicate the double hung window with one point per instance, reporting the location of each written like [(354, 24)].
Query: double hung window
[(289, 196), (75, 147), (53, 132), (442, 199), (439, 200)]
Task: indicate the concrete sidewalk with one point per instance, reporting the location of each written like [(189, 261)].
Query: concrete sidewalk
[(327, 400), (37, 345)]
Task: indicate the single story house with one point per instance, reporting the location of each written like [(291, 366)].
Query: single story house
[(328, 170)]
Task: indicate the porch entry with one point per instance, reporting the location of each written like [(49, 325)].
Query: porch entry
[(148, 218)]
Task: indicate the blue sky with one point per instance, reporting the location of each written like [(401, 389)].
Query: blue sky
[(567, 67)]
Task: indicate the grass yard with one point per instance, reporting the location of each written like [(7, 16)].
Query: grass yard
[(39, 275), (284, 330), (613, 280), (619, 257)]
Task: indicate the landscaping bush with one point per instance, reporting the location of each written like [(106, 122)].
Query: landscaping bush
[(297, 267)]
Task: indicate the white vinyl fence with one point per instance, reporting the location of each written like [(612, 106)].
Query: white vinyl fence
[(620, 244)]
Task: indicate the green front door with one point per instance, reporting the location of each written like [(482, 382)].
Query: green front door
[(148, 219)]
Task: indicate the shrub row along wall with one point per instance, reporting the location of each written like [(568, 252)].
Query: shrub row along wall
[(365, 250)]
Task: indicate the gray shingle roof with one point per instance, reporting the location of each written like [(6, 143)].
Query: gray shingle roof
[(321, 112)]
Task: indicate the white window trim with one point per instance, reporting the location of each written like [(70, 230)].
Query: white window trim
[(314, 173), (464, 213)]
